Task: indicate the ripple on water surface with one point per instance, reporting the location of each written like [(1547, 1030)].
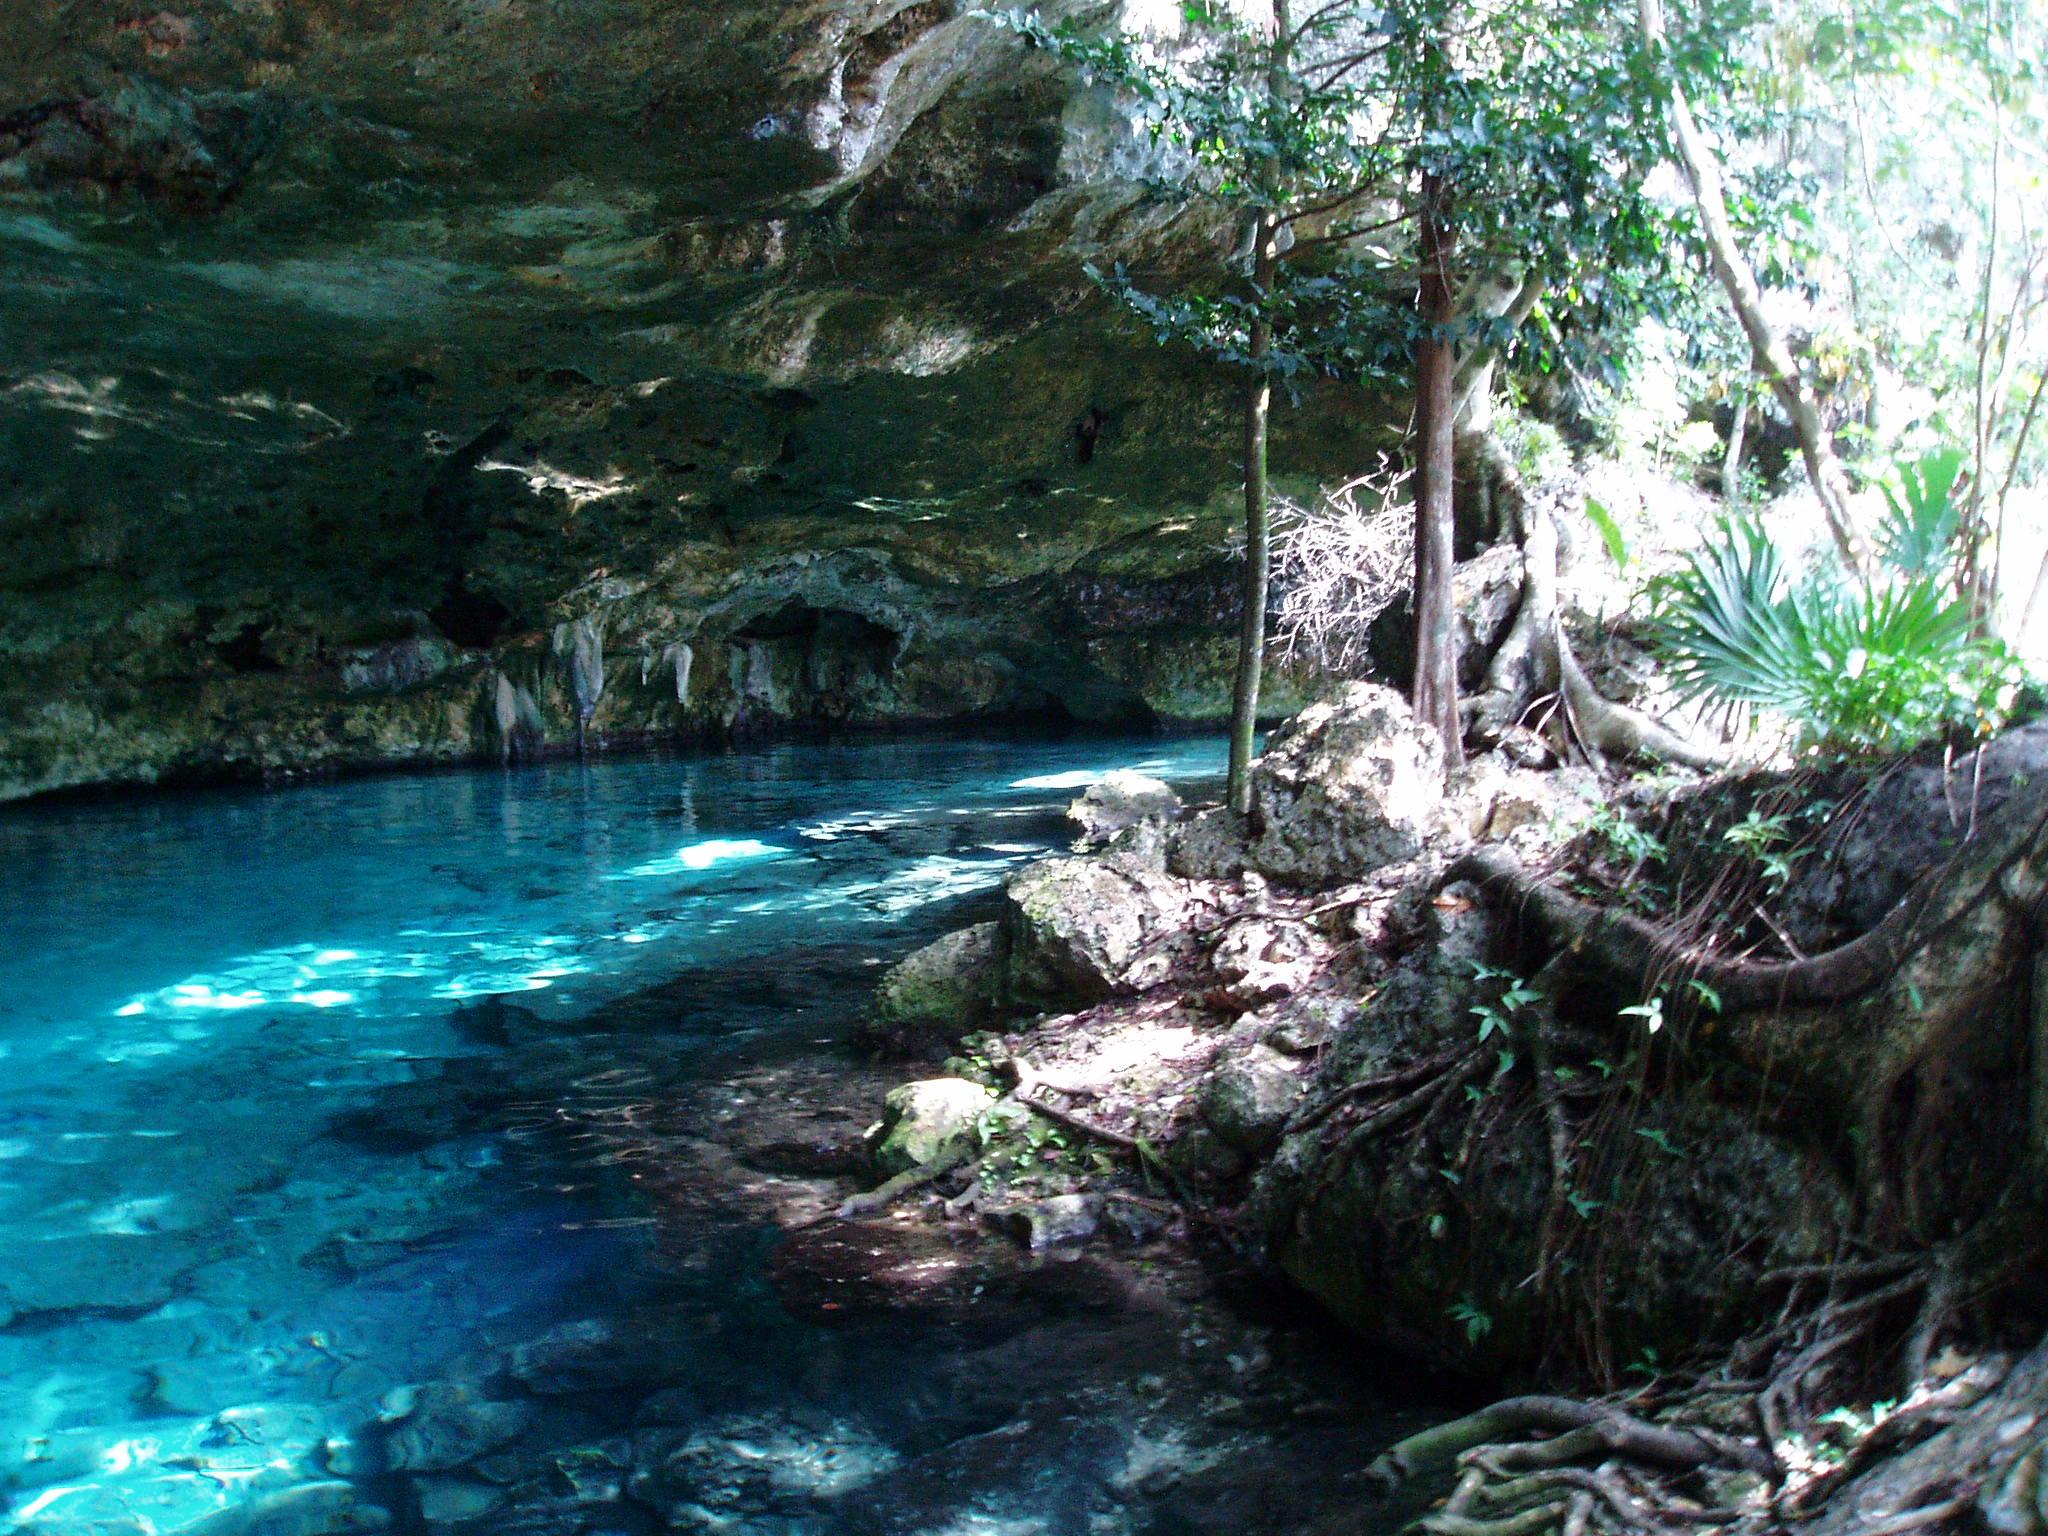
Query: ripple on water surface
[(308, 1230)]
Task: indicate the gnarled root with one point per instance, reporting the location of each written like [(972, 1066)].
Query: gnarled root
[(1952, 962), (1535, 658), (1583, 1428), (1856, 1039), (1522, 1469)]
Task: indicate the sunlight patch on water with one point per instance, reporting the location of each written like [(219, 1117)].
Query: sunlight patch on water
[(1079, 778), (861, 823), (323, 977), (698, 857), (273, 972)]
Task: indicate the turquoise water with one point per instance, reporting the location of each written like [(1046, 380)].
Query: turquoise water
[(298, 1235)]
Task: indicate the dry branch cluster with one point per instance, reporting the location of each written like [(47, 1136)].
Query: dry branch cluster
[(1338, 566)]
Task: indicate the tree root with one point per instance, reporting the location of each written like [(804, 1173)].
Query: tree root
[(1081, 1125), (1535, 659), (1386, 1082), (873, 1201), (1947, 970), (1975, 1445), (1140, 1151), (1999, 868), (1525, 1486)]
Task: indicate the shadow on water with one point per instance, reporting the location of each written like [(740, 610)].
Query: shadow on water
[(899, 1376)]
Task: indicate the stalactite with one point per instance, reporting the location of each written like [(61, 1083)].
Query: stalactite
[(505, 715), (582, 641), (684, 658), (678, 655), (516, 718)]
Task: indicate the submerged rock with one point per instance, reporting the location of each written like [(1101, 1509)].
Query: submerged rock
[(249, 1471), (445, 1425), (1345, 788), (727, 1475)]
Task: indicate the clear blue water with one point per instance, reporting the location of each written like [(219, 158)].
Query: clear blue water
[(264, 1162)]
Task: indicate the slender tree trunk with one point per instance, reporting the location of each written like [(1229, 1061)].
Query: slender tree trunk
[(1731, 462), (1703, 175), (1251, 641), (1436, 637), (1973, 537)]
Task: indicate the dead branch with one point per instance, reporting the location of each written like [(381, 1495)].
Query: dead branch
[(1338, 566)]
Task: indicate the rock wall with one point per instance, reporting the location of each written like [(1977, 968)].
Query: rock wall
[(356, 346)]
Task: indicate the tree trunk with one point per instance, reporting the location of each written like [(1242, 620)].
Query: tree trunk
[(1535, 657), (1436, 637), (1731, 462), (1251, 640), (1703, 175), (1472, 379)]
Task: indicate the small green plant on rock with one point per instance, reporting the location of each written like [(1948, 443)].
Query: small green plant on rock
[(1477, 1321), (1499, 1015), (1764, 839)]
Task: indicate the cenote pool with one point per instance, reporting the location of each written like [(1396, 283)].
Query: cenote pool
[(403, 1154)]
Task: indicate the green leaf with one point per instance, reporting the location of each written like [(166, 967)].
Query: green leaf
[(1610, 532), (1660, 1141), (1651, 1013)]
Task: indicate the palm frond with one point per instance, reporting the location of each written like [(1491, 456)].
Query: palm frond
[(1917, 535)]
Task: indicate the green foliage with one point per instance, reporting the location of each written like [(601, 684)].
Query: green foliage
[(1923, 248), (1498, 1016), (1651, 1013), (1540, 117), (1609, 531), (1660, 1141), (1477, 1320), (1923, 518), (1763, 838), (1856, 664), (1625, 842)]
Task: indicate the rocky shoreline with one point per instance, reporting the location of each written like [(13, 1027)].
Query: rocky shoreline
[(1320, 1041)]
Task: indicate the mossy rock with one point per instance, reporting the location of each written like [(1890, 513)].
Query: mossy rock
[(938, 994)]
